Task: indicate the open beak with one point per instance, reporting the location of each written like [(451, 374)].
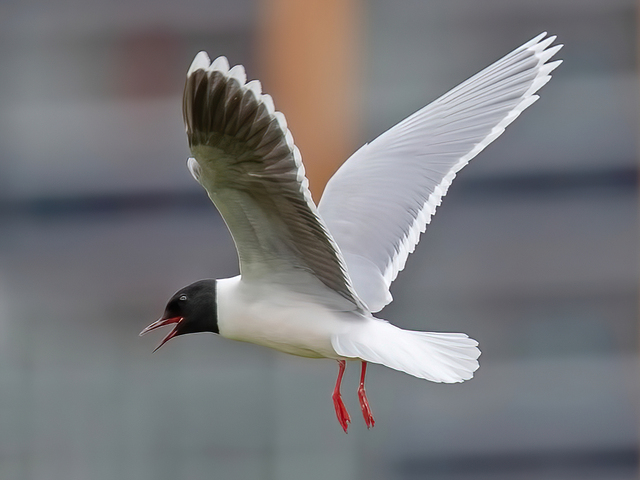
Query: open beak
[(161, 323)]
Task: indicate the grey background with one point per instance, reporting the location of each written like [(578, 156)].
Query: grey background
[(533, 253)]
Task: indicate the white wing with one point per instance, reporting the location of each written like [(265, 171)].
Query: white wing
[(246, 160), (383, 196)]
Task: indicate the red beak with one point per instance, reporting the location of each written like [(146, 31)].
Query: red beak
[(161, 323)]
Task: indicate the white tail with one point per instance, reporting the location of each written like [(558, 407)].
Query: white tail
[(439, 357)]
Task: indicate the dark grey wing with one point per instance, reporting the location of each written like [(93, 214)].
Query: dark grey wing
[(246, 160)]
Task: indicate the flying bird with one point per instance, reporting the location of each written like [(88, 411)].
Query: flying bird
[(311, 277)]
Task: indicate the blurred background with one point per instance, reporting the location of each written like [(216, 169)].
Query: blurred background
[(534, 252)]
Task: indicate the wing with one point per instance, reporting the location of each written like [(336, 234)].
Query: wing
[(383, 196), (246, 160)]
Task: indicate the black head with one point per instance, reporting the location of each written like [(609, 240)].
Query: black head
[(192, 309)]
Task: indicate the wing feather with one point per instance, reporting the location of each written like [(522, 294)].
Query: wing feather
[(382, 198), (244, 156)]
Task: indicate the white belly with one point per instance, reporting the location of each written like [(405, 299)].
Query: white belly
[(272, 316)]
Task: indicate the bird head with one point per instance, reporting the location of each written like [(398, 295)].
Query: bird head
[(192, 310)]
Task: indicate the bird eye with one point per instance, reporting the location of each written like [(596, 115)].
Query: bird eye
[(182, 298)]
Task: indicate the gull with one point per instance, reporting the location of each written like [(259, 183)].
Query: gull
[(311, 277)]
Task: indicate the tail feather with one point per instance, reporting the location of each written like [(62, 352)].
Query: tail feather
[(439, 357)]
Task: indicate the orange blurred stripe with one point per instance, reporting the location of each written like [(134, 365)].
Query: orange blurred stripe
[(309, 55)]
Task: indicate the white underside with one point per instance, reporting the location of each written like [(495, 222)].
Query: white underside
[(273, 316)]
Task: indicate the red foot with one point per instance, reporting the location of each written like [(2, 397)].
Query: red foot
[(364, 402), (366, 409), (341, 410)]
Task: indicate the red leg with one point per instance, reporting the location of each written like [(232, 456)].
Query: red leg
[(341, 410), (364, 403)]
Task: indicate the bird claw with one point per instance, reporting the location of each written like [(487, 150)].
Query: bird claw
[(341, 412), (366, 409)]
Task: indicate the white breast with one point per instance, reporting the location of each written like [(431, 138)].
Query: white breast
[(275, 317)]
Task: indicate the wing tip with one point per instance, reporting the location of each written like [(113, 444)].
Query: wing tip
[(542, 47), (200, 62), (239, 74), (255, 87), (221, 64)]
